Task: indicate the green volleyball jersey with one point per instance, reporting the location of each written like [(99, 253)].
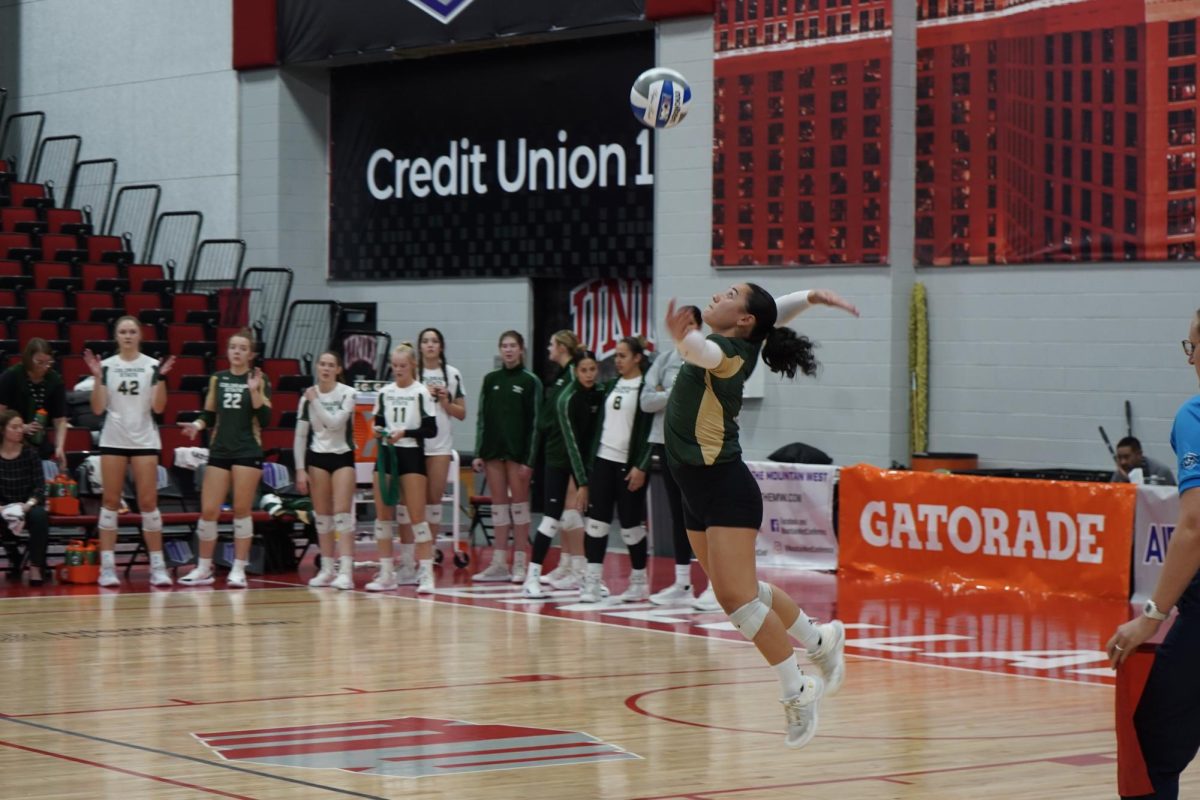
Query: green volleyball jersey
[(507, 421), (234, 423), (548, 427), (701, 423), (575, 414)]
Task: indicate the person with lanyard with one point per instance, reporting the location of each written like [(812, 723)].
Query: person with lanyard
[(236, 409), (722, 503), (506, 443), (1167, 717), (659, 380), (22, 498), (557, 476), (324, 453), (619, 459), (128, 389), (31, 388), (404, 420)]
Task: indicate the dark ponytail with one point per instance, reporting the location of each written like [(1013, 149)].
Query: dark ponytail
[(784, 351)]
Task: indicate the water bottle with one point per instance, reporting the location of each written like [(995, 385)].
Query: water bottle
[(41, 417)]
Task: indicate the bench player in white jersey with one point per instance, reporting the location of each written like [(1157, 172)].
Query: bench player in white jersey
[(324, 452), (404, 420), (127, 388)]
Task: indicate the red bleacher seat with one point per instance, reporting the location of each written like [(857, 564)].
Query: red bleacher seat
[(37, 299), (283, 403), (80, 333), (180, 402), (278, 438), (179, 334), (281, 367), (46, 271), (99, 246), (9, 241), (55, 243), (172, 436), (184, 302), (221, 362), (79, 440), (14, 270), (137, 302), (42, 329), (8, 297), (18, 193), (185, 366), (86, 302), (139, 274), (92, 274), (57, 217), (73, 370), (9, 217)]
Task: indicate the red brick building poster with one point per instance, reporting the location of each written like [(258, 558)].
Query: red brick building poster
[(1055, 130), (801, 129)]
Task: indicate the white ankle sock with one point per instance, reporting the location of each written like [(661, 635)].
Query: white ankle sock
[(108, 559), (683, 575), (578, 563), (791, 679), (535, 572), (637, 575), (156, 560), (595, 570), (500, 557), (386, 566), (408, 554), (204, 564), (804, 631), (239, 565), (346, 564), (427, 564)]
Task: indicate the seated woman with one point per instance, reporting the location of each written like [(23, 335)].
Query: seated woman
[(22, 493)]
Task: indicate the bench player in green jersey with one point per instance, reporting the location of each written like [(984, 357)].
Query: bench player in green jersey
[(236, 409), (722, 503), (506, 443)]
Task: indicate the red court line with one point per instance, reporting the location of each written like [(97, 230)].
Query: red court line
[(124, 771), (59, 611), (593, 746), (892, 777), (596, 756)]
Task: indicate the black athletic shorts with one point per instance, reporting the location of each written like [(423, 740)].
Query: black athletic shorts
[(557, 481), (330, 462), (607, 487), (230, 463), (127, 452), (721, 496), (411, 460)]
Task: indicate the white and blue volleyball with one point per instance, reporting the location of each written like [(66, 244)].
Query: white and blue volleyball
[(660, 98)]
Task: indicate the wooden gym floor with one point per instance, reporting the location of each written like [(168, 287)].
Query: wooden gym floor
[(281, 691)]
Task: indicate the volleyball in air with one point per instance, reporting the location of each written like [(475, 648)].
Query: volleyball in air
[(660, 98)]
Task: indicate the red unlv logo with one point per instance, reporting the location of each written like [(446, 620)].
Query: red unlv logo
[(606, 310)]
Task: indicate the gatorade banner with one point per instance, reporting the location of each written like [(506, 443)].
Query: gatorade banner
[(797, 526), (1039, 537), (1157, 511)]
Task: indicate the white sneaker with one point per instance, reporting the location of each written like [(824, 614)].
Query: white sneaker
[(590, 593), (425, 581), (496, 572), (343, 582), (674, 595), (706, 601), (322, 578), (236, 579), (801, 712), (108, 577), (532, 590), (520, 560), (638, 591), (570, 581), (407, 575), (384, 582), (558, 573), (160, 577), (830, 656), (198, 577)]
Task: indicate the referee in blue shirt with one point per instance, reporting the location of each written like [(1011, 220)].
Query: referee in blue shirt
[(1167, 719)]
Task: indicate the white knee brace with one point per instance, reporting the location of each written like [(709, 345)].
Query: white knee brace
[(152, 521), (206, 530), (520, 513), (632, 536), (324, 524), (571, 520), (765, 595), (422, 533), (597, 529), (548, 526), (385, 529), (402, 516), (342, 523), (243, 528), (108, 519), (500, 515), (433, 514), (749, 618)]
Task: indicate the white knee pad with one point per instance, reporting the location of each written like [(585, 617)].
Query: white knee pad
[(749, 618), (324, 524), (520, 514), (500, 515), (632, 536), (342, 523), (597, 529), (765, 595), (422, 533), (108, 519), (385, 529), (243, 528), (433, 514), (548, 526), (402, 516), (152, 521), (571, 520), (206, 530)]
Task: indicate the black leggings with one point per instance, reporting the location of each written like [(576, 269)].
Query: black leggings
[(679, 537), (607, 488), (557, 482), (37, 526)]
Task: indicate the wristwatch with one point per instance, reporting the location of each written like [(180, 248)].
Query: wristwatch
[(1151, 610)]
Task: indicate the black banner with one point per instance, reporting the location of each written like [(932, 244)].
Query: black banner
[(314, 30), (514, 162)]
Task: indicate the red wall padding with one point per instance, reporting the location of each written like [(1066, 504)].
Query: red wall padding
[(254, 39), (665, 9)]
